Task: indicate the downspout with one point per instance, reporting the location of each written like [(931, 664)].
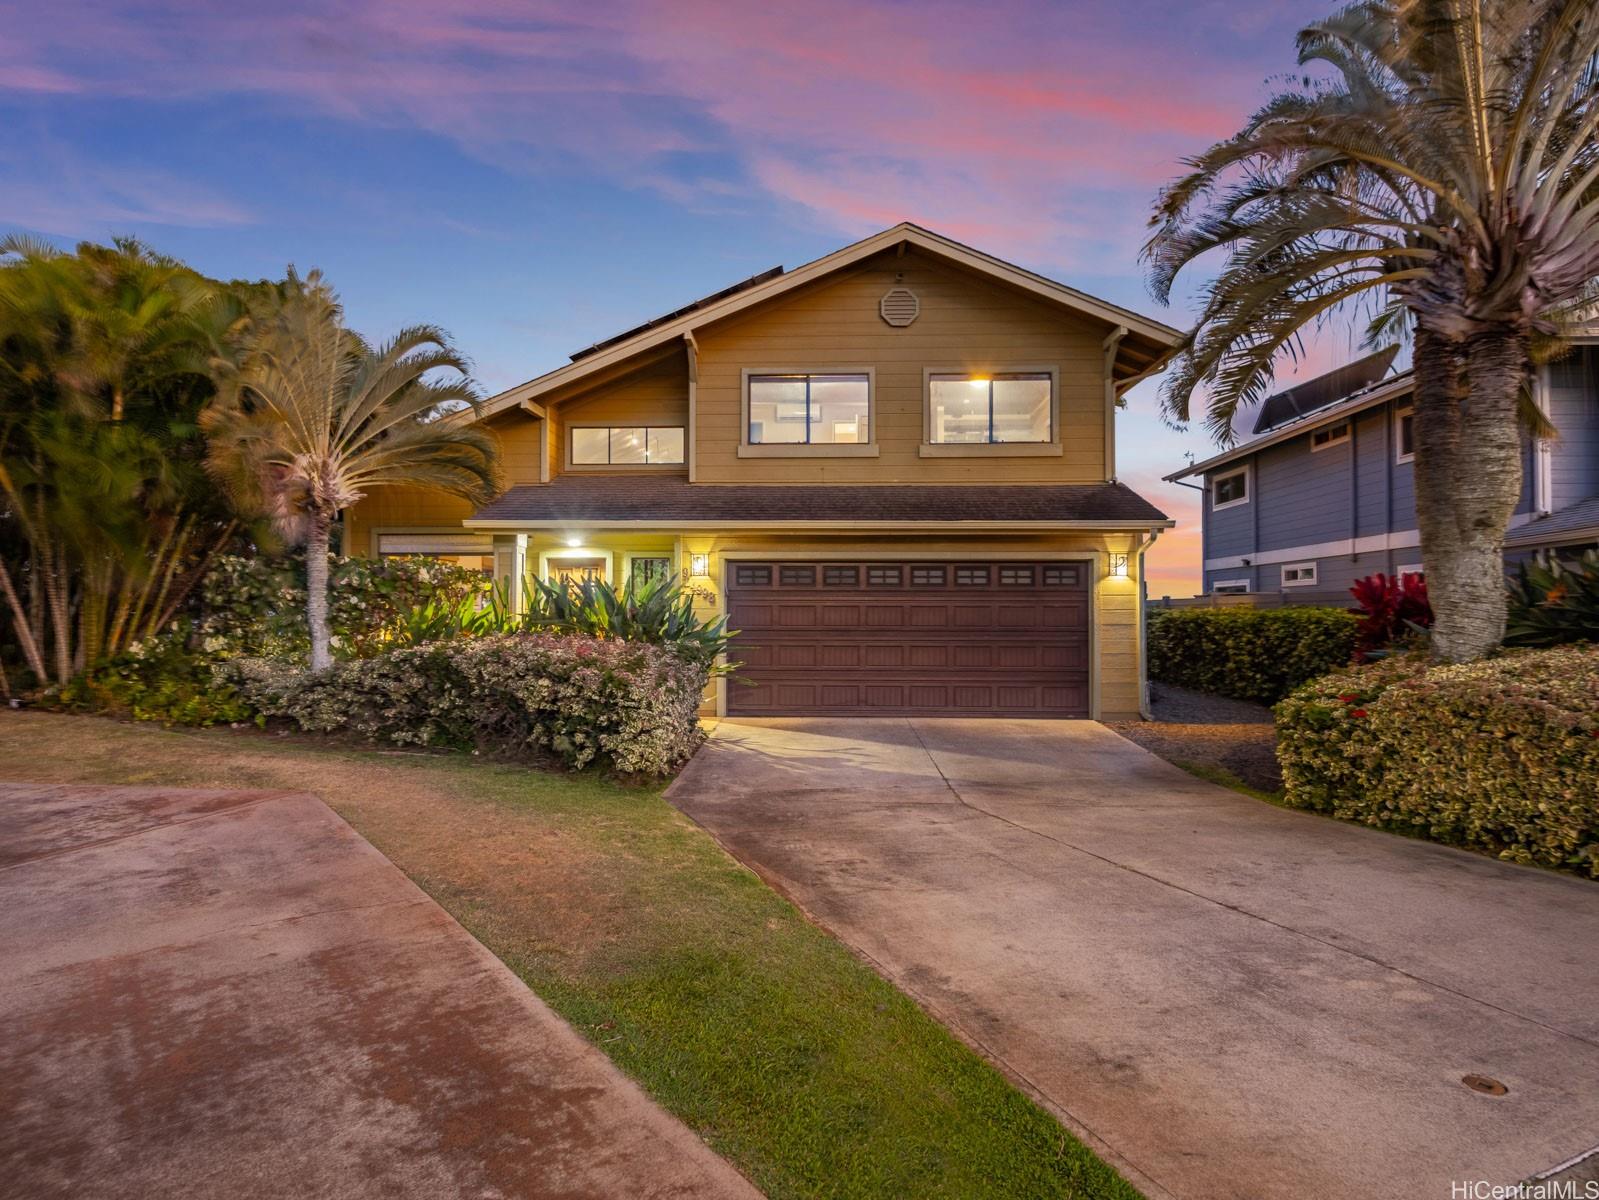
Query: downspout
[(1141, 550), (1110, 346)]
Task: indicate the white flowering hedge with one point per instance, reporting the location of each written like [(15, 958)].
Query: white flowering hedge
[(1500, 755), (629, 706)]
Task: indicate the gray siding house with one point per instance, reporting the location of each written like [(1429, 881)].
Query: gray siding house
[(1324, 492)]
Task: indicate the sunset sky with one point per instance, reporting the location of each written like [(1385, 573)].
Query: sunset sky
[(535, 176)]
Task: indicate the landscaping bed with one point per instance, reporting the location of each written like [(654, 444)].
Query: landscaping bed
[(1229, 741), (767, 1037)]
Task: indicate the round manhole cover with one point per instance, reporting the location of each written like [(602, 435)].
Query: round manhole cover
[(1484, 1084)]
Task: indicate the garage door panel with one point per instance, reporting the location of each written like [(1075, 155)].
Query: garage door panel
[(996, 638)]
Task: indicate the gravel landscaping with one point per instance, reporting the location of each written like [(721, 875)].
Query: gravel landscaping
[(1214, 734)]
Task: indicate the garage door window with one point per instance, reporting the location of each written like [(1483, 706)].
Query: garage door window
[(927, 576), (971, 576), (752, 576), (883, 576), (841, 576), (797, 576)]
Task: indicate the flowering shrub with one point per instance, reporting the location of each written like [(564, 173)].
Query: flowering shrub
[(1393, 610), (1499, 755), (256, 606), (1258, 654), (631, 706)]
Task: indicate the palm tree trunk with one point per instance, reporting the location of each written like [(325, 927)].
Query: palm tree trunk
[(20, 622), (316, 593), (1463, 508)]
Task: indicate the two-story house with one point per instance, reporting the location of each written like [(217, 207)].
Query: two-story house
[(893, 469), (1324, 494)]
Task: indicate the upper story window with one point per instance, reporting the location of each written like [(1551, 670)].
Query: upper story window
[(809, 410), (1229, 489), (1404, 435), (989, 409), (627, 445), (1332, 435)]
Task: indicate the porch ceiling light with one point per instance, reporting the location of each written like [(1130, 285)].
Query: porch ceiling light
[(699, 565), (573, 541)]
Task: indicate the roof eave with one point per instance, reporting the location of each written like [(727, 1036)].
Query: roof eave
[(1163, 336), (511, 525)]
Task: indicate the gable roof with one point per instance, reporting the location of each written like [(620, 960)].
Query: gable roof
[(1305, 398), (1368, 397), (1144, 347)]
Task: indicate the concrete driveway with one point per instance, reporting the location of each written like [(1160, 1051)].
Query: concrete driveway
[(1227, 999), (230, 994)]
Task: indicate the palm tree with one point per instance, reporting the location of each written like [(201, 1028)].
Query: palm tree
[(1441, 180), (311, 417)]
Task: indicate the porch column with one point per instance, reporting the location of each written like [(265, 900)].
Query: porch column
[(510, 566)]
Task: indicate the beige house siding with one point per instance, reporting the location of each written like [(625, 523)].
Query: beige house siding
[(965, 323)]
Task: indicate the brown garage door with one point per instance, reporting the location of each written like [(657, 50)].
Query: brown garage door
[(999, 638)]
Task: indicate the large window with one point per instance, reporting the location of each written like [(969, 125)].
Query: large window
[(627, 445), (982, 409), (809, 410)]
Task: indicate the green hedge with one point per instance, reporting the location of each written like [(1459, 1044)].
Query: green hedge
[(1500, 755), (1258, 654)]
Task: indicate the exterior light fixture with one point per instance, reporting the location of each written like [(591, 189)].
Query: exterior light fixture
[(699, 565), (574, 541), (1118, 566)]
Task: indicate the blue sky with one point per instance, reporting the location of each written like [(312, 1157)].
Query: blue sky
[(535, 176)]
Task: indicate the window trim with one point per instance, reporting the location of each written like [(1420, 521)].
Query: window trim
[(1409, 569), (1332, 440), (1312, 567), (1235, 587), (749, 449), (609, 557), (569, 464), (1051, 448), (1400, 414), (1249, 488)]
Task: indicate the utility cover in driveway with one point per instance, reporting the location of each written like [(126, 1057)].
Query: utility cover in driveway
[(989, 638), (231, 994)]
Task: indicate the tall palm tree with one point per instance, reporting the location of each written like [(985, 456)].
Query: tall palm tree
[(1441, 179), (311, 417)]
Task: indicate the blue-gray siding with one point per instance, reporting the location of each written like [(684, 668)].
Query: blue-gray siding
[(1574, 409)]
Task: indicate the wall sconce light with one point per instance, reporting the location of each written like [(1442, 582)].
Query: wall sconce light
[(1118, 566), (699, 565)]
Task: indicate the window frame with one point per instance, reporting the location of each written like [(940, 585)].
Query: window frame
[(1249, 488), (1312, 567), (571, 463), (1050, 448), (1230, 587), (1409, 569), (749, 449), (1400, 456), (1332, 439), (636, 556)]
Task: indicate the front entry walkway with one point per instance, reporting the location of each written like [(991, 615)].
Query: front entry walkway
[(1226, 998), (213, 993)]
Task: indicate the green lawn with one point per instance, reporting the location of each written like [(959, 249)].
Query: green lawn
[(785, 1052)]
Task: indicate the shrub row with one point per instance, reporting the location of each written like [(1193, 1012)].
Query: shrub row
[(630, 706), (1258, 654), (1499, 755)]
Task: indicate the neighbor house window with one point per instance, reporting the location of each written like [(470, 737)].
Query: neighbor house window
[(984, 409), (1405, 435), (1409, 569), (809, 410), (1299, 574), (627, 445), (1333, 435), (1230, 587), (1229, 489)]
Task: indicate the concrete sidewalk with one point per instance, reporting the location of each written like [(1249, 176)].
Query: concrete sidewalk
[(233, 994), (1225, 998)]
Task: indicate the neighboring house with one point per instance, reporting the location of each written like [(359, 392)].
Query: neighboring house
[(1324, 493), (892, 468)]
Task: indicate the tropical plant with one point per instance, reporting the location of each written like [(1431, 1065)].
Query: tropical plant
[(1554, 601), (312, 417), (1393, 611), (107, 520), (659, 611), (1441, 179)]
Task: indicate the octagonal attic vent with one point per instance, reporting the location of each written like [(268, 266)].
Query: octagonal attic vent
[(899, 306)]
